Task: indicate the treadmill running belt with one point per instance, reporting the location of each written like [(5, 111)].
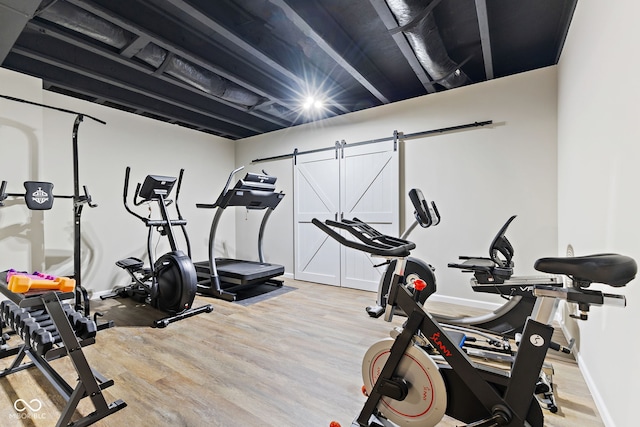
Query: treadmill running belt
[(242, 272)]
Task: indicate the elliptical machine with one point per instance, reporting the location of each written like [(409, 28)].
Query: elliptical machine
[(169, 283)]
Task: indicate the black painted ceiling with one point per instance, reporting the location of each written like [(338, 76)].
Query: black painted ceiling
[(237, 68)]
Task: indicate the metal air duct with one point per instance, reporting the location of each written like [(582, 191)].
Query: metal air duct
[(90, 25), (423, 35)]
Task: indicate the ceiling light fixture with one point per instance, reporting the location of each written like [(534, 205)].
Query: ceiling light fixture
[(312, 103)]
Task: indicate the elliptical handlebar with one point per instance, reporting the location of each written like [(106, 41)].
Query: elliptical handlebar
[(125, 195), (370, 241), (3, 195), (178, 186)]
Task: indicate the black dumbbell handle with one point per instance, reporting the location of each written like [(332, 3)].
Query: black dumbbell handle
[(28, 327)]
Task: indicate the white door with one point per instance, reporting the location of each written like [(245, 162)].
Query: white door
[(316, 182), (369, 192), (363, 182)]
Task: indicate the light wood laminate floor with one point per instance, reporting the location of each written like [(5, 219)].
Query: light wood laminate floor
[(291, 360)]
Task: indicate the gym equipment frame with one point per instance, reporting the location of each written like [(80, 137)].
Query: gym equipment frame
[(408, 387), (90, 383), (170, 282), (235, 279)]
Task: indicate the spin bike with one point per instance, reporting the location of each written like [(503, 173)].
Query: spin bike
[(492, 274), (170, 283), (406, 386)]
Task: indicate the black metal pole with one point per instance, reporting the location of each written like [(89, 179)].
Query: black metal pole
[(82, 297)]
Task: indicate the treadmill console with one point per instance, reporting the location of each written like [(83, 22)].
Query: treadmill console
[(263, 178)]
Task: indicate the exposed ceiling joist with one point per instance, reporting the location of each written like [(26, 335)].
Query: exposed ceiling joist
[(115, 82), (485, 39), (322, 44), (239, 68), (52, 31)]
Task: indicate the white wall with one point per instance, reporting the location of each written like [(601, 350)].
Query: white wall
[(598, 152), (477, 177), (21, 142), (148, 146)]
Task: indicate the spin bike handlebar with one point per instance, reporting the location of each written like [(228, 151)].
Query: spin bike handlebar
[(426, 214), (370, 240)]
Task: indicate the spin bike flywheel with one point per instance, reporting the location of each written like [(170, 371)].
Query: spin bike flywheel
[(426, 401)]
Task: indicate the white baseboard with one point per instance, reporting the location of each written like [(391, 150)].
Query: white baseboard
[(97, 295), (584, 370)]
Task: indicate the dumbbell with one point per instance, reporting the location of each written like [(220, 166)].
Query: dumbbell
[(83, 326), (5, 304), (43, 339), (15, 314), (8, 309), (4, 308), (21, 317), (29, 326)]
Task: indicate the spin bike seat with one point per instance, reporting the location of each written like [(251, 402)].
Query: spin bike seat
[(609, 269)]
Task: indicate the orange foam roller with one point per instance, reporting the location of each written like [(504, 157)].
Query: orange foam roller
[(21, 284)]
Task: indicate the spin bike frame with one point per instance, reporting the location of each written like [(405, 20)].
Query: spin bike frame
[(477, 394), (510, 408)]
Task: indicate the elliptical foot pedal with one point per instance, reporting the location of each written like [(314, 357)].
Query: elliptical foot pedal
[(131, 264)]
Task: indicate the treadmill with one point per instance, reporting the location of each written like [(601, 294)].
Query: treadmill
[(234, 279)]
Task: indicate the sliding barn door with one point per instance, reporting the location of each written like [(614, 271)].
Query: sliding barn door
[(360, 181), (316, 184), (369, 192)]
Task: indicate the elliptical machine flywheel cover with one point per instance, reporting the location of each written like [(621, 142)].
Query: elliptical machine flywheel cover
[(177, 282)]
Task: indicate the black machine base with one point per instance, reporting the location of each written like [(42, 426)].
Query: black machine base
[(238, 279), (234, 293), (194, 311)]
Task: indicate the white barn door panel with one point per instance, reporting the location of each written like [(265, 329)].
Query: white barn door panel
[(316, 183), (363, 182), (370, 193)]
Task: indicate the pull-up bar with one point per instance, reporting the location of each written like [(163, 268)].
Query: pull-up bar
[(24, 101), (396, 135), (79, 200)]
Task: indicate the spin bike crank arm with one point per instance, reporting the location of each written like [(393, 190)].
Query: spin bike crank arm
[(395, 356), (499, 418)]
